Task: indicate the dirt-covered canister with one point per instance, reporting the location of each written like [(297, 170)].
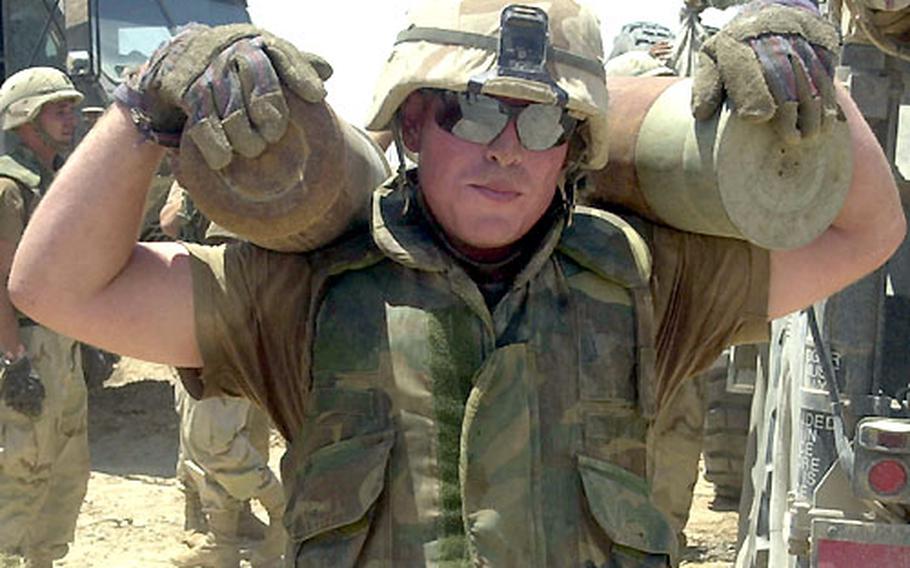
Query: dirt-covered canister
[(723, 176), (303, 192)]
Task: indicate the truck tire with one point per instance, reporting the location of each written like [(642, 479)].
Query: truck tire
[(726, 434)]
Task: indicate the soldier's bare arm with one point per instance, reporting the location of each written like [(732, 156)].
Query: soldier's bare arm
[(866, 232), (78, 268)]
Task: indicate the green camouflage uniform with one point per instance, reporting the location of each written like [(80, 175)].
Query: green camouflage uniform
[(426, 428), (44, 462)]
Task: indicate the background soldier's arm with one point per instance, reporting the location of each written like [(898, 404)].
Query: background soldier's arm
[(169, 216), (10, 345)]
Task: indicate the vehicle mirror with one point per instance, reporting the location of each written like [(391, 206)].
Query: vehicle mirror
[(78, 63)]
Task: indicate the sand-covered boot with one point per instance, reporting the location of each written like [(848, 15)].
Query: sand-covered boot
[(218, 549)]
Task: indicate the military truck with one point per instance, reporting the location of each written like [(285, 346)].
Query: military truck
[(829, 452), (94, 42)]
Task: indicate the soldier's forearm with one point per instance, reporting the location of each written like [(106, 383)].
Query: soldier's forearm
[(10, 344), (84, 231)]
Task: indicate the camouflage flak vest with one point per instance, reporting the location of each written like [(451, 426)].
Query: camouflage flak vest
[(439, 433)]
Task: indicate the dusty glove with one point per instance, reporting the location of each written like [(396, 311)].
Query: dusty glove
[(20, 387), (223, 86), (775, 61)]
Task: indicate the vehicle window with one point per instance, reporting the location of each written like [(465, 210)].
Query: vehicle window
[(131, 31)]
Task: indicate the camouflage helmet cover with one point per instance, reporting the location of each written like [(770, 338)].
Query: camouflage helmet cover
[(24, 93), (576, 67)]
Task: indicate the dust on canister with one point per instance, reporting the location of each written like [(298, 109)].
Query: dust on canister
[(723, 176)]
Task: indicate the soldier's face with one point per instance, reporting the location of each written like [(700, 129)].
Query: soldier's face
[(58, 120), (485, 196)]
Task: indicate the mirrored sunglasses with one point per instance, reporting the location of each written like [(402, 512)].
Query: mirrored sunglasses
[(480, 119)]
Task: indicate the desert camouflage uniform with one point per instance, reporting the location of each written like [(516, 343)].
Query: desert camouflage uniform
[(44, 462), (224, 448), (223, 462)]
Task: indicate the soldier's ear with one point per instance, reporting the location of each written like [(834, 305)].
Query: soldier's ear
[(413, 113)]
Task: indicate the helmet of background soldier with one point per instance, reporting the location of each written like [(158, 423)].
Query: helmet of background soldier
[(640, 36), (637, 64), (449, 44), (24, 93)]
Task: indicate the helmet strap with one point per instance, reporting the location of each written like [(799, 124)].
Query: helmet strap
[(401, 177), (568, 186)]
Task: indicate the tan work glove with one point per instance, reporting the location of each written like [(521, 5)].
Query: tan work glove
[(224, 86), (775, 61)]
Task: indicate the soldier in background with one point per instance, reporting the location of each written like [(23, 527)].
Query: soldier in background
[(44, 460), (223, 455)]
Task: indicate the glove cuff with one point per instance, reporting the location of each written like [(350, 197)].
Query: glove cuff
[(807, 5), (133, 101)]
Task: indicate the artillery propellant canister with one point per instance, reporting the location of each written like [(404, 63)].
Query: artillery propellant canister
[(301, 193), (723, 176)]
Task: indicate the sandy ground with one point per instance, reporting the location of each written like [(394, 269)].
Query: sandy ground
[(133, 514)]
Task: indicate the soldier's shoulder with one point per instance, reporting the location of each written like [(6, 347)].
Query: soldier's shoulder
[(11, 170), (610, 244), (350, 250), (354, 249)]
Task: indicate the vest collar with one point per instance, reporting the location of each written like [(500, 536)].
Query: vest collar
[(399, 229)]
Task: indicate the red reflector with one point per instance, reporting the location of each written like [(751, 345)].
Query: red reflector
[(887, 477), (841, 554)]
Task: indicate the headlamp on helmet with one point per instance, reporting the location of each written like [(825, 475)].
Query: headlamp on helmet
[(524, 42)]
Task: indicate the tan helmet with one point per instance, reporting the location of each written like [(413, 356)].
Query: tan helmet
[(637, 64), (454, 45), (24, 93)]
